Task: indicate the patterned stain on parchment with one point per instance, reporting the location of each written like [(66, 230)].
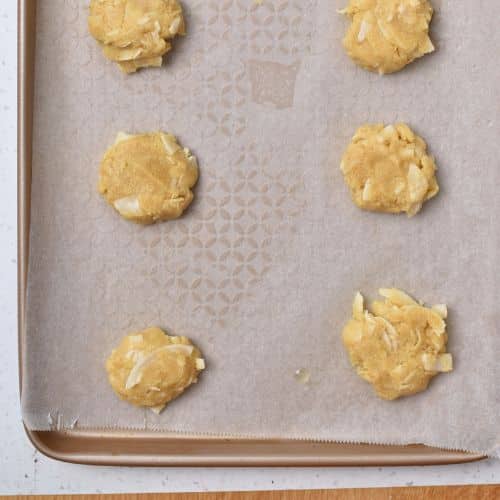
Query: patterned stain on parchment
[(215, 261), (284, 27)]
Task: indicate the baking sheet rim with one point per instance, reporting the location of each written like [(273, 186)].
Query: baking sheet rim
[(57, 444)]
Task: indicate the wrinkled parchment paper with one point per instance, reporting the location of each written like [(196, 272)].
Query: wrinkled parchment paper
[(262, 269)]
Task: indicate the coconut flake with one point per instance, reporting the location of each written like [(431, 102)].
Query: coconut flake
[(157, 409), (442, 363), (128, 206), (193, 161), (397, 297), (135, 374), (363, 31), (428, 46), (368, 191), (390, 328), (122, 136), (135, 339), (388, 131), (429, 362), (174, 26), (357, 306), (441, 309), (169, 143), (414, 209), (388, 341), (127, 54), (418, 184)]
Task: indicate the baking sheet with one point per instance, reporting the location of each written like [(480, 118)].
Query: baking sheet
[(261, 271)]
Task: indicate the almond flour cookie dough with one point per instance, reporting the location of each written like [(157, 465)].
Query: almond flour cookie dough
[(135, 33), (148, 177), (400, 346), (388, 169), (150, 368), (386, 35)]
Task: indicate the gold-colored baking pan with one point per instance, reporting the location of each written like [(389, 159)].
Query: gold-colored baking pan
[(154, 448)]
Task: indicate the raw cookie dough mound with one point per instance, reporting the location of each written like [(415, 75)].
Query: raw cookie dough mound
[(148, 177), (135, 33), (150, 368), (388, 169), (400, 346), (386, 35)]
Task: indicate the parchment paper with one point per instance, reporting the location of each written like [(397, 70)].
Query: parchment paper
[(262, 269)]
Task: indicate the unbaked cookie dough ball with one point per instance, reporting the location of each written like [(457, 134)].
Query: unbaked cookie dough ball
[(386, 35), (387, 169), (148, 177), (399, 346), (135, 33), (150, 368)]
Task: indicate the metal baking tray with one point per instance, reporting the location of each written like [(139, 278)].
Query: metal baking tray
[(166, 449)]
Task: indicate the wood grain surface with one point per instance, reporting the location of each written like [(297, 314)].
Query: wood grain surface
[(424, 493)]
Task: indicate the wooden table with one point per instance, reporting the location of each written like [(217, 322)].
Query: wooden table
[(423, 493)]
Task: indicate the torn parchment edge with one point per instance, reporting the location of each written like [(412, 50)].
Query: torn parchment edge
[(55, 422)]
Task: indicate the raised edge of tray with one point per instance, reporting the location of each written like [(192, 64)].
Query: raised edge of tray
[(162, 449)]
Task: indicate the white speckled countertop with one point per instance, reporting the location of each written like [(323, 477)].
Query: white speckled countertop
[(23, 470)]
